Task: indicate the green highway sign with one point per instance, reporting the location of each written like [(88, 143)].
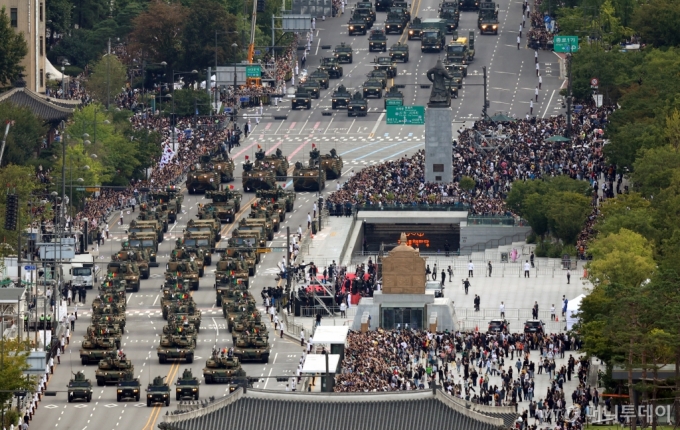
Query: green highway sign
[(80, 188), (393, 102), (253, 72), (406, 115), (565, 43)]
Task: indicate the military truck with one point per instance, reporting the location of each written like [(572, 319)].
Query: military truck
[(200, 239), (331, 163), (226, 204), (343, 53), (138, 256), (176, 348), (368, 6), (111, 370), (243, 247), (377, 41), (469, 5), (223, 165), (402, 7), (395, 23), (365, 15), (211, 226), (382, 5), (332, 67), (128, 388), (143, 241), (358, 106), (313, 88), (488, 10), (258, 179), (302, 99), (185, 269), (127, 270), (393, 94), (456, 73), (249, 347), (433, 36), (414, 29), (380, 75), (149, 226), (157, 392), (266, 224), (157, 213), (321, 76), (371, 88), (488, 25), (192, 254), (172, 198), (307, 178), (399, 51), (449, 11), (357, 25), (458, 52), (276, 161), (96, 348), (201, 179), (387, 65), (79, 388), (340, 98), (266, 211), (187, 386), (286, 197), (254, 235), (222, 370)]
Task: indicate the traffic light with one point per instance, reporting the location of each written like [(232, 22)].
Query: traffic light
[(11, 212), (260, 5)]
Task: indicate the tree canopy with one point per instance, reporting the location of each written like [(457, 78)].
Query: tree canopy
[(12, 50)]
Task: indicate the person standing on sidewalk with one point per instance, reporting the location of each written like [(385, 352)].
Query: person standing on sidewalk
[(471, 269), (443, 277), (568, 276), (302, 338), (527, 268), (466, 285), (450, 270), (502, 309), (490, 268)]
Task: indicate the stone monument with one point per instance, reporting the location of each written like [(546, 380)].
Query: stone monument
[(403, 270), (438, 129)]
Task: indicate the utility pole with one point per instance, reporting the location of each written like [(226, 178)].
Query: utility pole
[(486, 100), (569, 94)]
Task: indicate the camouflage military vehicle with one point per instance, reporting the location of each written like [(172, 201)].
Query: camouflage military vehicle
[(330, 163), (79, 388), (378, 75), (211, 226), (242, 248), (308, 179), (170, 196), (225, 205), (393, 94), (259, 215), (399, 51), (247, 322), (340, 98), (332, 67), (187, 386), (149, 226), (228, 271), (202, 179), (103, 335), (144, 241), (112, 369), (372, 88), (377, 41), (96, 348), (223, 165), (343, 53), (186, 311), (255, 236), (176, 348), (199, 239), (185, 269), (194, 255), (313, 88), (278, 195), (358, 106), (128, 388), (127, 270), (157, 392), (302, 99), (113, 286), (252, 347), (387, 65), (222, 370), (174, 300), (357, 25), (321, 76), (179, 326), (110, 318), (243, 308), (112, 310), (278, 162), (159, 212), (257, 179), (138, 256), (274, 210)]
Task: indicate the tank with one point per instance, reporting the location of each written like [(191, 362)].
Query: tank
[(179, 326), (128, 388), (225, 205), (244, 307), (158, 392), (187, 386), (146, 241), (138, 256), (188, 309), (199, 239), (276, 161), (113, 322), (111, 369), (330, 163), (185, 269), (196, 256), (79, 388), (96, 348), (107, 299), (279, 195), (175, 348), (307, 179), (250, 323), (257, 179), (113, 286), (221, 369), (252, 347), (242, 249), (109, 313), (201, 179), (230, 298), (127, 270), (102, 335), (272, 212), (223, 165), (229, 273), (172, 198)]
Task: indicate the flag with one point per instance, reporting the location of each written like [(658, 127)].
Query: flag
[(313, 145), (231, 187), (259, 147), (246, 157)]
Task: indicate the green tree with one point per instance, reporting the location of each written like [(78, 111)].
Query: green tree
[(23, 181), (567, 213), (198, 39), (12, 50), (107, 79), (87, 13), (59, 15), (653, 169), (188, 100), (625, 259), (467, 183), (13, 364), (25, 136), (656, 21), (76, 47), (630, 211)]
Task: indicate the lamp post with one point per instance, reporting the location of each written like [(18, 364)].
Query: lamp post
[(144, 66), (94, 123), (232, 45), (64, 63), (172, 123)]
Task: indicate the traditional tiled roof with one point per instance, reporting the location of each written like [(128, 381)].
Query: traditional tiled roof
[(506, 413), (264, 410), (43, 107)]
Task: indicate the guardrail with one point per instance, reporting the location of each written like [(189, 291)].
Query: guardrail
[(510, 314), (311, 311), (482, 325)]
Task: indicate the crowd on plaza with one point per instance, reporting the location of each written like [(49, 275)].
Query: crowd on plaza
[(538, 35)]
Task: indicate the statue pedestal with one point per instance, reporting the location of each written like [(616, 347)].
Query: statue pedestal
[(438, 145)]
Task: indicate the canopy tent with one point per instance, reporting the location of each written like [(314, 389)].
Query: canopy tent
[(573, 308), (330, 335), (499, 117), (316, 363), (557, 138), (54, 73)]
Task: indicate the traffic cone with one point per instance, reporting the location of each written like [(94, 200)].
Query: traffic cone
[(557, 319)]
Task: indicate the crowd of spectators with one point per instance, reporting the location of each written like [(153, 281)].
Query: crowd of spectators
[(539, 37)]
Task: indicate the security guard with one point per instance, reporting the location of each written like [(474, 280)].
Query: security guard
[(49, 322), (42, 321), (25, 322)]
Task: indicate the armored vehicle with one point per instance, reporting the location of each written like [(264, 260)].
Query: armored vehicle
[(247, 323), (401, 7), (222, 370), (394, 97), (249, 347), (187, 386), (229, 272), (243, 308), (112, 319), (358, 106), (287, 197), (145, 241), (457, 76), (105, 300), (158, 392), (433, 36), (321, 76), (149, 226), (332, 67), (357, 25), (308, 179), (258, 179), (221, 164), (96, 348), (487, 10), (386, 64), (469, 4), (379, 75), (302, 99), (103, 335), (377, 41), (231, 299), (200, 179), (224, 207), (414, 29), (79, 388), (395, 23), (254, 236), (211, 226), (371, 88), (383, 5), (399, 52), (448, 10), (488, 25), (186, 269), (186, 311), (158, 213), (138, 256), (331, 163), (127, 270), (365, 15), (128, 388), (172, 198), (458, 52), (368, 6), (113, 286), (343, 53), (111, 370), (340, 98), (174, 301), (243, 248), (176, 348), (313, 88), (200, 239), (276, 161), (195, 255)]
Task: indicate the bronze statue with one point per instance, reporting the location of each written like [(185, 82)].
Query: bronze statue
[(439, 96)]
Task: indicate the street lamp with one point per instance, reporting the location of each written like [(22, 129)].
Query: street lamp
[(94, 123), (232, 45), (64, 63), (144, 66), (172, 123)]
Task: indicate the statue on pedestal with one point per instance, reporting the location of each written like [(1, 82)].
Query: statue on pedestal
[(439, 97)]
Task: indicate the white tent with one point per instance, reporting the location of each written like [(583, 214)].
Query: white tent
[(53, 72), (316, 363), (212, 83), (573, 308)]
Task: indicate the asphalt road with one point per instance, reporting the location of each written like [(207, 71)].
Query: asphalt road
[(360, 141)]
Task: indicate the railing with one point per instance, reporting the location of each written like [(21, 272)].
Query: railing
[(498, 220), (510, 314), (291, 328), (500, 267), (414, 207), (482, 325), (329, 311), (495, 243)]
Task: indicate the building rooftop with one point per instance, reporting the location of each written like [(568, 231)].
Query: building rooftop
[(45, 108)]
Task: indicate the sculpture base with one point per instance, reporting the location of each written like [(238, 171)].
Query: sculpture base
[(444, 105), (438, 145)]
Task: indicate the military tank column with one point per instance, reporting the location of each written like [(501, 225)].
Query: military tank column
[(312, 177)]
